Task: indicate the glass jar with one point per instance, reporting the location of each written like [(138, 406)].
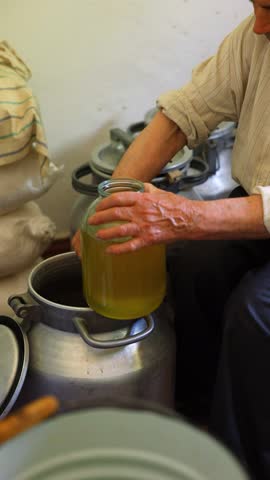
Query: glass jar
[(125, 286)]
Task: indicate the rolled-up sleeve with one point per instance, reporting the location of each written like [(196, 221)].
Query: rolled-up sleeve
[(208, 99), (265, 194)]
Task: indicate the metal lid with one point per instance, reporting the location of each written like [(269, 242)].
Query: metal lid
[(105, 158), (14, 361)]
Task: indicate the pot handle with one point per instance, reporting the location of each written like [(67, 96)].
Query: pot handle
[(136, 127), (81, 325), (25, 308), (203, 172), (81, 187), (119, 135)]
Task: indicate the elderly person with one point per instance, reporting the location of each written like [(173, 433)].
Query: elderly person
[(221, 281)]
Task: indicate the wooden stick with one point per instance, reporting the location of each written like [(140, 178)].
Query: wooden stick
[(26, 417)]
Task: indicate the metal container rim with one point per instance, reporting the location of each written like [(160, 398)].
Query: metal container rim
[(43, 300)]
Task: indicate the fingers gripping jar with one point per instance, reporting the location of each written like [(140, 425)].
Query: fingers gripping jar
[(125, 286)]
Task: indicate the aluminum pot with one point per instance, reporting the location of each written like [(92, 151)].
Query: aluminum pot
[(76, 353)]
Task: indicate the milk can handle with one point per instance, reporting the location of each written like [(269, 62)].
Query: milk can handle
[(25, 308), (81, 326)]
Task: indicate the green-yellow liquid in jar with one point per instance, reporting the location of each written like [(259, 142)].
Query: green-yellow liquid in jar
[(123, 286)]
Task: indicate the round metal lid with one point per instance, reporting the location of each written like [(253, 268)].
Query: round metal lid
[(9, 360), (14, 361), (105, 158)]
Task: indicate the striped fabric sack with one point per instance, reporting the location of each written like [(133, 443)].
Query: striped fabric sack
[(26, 171)]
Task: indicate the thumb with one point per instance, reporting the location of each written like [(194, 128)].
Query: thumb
[(149, 188)]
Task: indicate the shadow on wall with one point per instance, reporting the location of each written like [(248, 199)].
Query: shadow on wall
[(58, 205)]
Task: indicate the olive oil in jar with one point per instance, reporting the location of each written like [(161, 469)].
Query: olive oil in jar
[(125, 286)]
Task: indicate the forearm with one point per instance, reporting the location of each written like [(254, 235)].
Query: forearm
[(151, 150), (235, 218), (158, 216)]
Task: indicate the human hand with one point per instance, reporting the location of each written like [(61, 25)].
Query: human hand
[(152, 217), (76, 243)]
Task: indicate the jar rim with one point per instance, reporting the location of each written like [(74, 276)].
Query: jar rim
[(114, 185)]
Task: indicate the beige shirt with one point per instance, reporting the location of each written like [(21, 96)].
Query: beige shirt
[(233, 85)]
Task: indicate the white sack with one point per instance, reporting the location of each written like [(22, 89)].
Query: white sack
[(24, 236), (25, 180)]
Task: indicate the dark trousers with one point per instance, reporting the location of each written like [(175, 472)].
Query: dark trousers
[(221, 297)]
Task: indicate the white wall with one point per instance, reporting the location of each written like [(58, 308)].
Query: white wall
[(102, 63)]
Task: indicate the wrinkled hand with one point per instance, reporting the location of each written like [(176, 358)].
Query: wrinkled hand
[(152, 217), (76, 243)]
